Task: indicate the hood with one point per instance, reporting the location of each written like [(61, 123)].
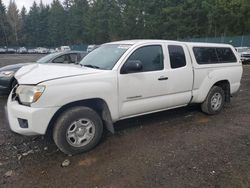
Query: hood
[(37, 73), (14, 67)]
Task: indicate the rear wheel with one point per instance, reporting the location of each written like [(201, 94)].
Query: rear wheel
[(214, 102), (78, 130)]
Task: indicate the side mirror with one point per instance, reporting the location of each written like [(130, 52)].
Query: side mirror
[(132, 66)]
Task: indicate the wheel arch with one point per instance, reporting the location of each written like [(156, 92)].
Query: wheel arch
[(225, 85), (97, 104), (200, 95)]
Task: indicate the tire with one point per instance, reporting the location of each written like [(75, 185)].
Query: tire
[(210, 106), (73, 125)]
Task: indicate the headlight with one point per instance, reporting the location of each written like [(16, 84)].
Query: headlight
[(29, 94), (7, 73)]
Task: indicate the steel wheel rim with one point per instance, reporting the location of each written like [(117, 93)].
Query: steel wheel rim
[(80, 133), (216, 101)]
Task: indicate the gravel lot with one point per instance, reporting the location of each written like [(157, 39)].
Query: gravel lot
[(177, 148)]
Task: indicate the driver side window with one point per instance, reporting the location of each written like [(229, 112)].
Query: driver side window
[(151, 58)]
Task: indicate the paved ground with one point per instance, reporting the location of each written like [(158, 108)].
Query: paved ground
[(177, 148)]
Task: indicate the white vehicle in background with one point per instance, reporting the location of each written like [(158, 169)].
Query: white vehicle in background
[(92, 47), (120, 80), (52, 51), (3, 50), (242, 49), (31, 51), (22, 50), (11, 51), (41, 50), (244, 53), (65, 48)]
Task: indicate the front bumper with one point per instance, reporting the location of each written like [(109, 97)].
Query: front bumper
[(38, 118)]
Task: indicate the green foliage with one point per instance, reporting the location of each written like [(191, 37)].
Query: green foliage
[(99, 21), (76, 20), (23, 24), (56, 23), (33, 25), (13, 20), (4, 25)]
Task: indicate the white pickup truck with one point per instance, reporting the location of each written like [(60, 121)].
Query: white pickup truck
[(120, 80)]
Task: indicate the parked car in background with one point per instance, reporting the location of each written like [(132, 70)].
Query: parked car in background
[(22, 50), (7, 80), (51, 50), (245, 57), (244, 53), (41, 50), (31, 51), (92, 47), (3, 50), (241, 49), (117, 81), (65, 48), (11, 51)]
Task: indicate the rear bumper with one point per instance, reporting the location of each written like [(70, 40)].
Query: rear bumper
[(37, 118)]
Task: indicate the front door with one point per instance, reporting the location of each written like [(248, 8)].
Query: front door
[(144, 91)]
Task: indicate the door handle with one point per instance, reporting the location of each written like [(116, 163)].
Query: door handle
[(162, 78)]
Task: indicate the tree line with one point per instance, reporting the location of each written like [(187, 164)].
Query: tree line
[(99, 21)]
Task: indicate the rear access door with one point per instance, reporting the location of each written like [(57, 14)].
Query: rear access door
[(180, 74)]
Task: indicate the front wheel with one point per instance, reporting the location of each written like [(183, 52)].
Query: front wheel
[(214, 102), (77, 130)]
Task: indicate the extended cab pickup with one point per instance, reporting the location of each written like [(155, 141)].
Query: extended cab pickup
[(120, 80)]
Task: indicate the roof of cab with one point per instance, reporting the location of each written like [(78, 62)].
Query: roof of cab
[(191, 44), (202, 44), (68, 52), (136, 41)]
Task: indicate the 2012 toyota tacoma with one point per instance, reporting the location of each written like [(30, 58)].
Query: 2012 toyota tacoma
[(120, 80)]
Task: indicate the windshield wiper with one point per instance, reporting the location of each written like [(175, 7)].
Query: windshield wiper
[(92, 66)]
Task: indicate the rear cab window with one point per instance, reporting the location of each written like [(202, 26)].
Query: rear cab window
[(177, 56), (214, 55), (226, 55)]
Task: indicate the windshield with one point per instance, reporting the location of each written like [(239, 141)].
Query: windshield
[(47, 58), (105, 57)]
